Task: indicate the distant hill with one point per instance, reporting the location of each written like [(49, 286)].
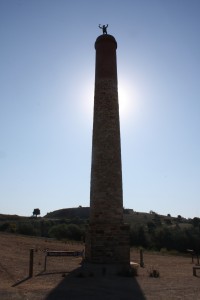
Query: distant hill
[(10, 217), (69, 213), (130, 216)]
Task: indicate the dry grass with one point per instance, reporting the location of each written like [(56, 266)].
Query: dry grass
[(60, 282)]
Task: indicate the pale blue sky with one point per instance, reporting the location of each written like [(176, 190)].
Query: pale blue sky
[(47, 65)]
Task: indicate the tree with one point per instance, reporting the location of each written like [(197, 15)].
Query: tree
[(196, 222), (151, 226), (36, 212), (157, 220), (179, 219), (168, 221)]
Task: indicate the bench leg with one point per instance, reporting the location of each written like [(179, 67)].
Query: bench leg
[(45, 263), (194, 272)]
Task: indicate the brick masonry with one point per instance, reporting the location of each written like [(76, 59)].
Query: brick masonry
[(107, 239)]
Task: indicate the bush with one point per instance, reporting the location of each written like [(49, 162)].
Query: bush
[(153, 272), (58, 231), (74, 232), (64, 231), (26, 228), (5, 227), (8, 227), (138, 237)]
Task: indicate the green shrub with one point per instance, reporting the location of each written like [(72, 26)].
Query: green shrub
[(26, 228), (64, 231), (8, 227), (5, 226), (153, 272), (58, 231)]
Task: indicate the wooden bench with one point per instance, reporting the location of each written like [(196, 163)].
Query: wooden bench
[(61, 253), (194, 270)]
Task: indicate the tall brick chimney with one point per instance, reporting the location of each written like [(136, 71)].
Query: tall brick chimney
[(107, 241)]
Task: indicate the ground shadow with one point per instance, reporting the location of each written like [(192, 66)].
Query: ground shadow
[(77, 285), (21, 281), (44, 273)]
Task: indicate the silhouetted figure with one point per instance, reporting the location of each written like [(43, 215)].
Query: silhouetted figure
[(104, 28)]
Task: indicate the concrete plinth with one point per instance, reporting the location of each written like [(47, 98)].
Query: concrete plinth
[(104, 270)]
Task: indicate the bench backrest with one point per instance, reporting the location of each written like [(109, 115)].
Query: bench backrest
[(64, 253)]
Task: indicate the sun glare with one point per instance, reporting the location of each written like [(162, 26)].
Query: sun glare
[(126, 96), (87, 98), (126, 99)]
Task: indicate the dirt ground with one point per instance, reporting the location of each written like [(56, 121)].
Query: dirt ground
[(64, 279)]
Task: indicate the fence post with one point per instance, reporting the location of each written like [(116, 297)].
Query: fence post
[(141, 259), (45, 262), (197, 258), (31, 263)]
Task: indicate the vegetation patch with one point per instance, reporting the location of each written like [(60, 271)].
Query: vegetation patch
[(153, 272), (150, 231)]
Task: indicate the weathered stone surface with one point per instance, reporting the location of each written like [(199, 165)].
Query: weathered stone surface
[(108, 238), (108, 243)]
